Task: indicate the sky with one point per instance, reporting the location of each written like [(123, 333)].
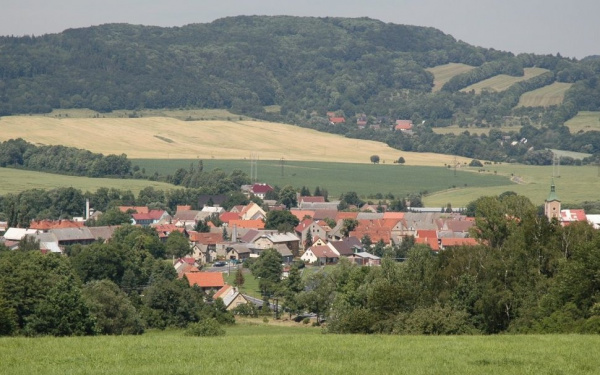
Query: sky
[(570, 28)]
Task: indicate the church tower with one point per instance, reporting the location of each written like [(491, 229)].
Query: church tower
[(552, 204)]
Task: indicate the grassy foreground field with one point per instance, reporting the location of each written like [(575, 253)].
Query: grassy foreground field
[(575, 184), (170, 138), (260, 348), (337, 178), (502, 82), (14, 181)]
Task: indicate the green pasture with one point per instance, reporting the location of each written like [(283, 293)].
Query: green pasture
[(584, 121), (455, 129), (16, 180), (574, 184), (250, 286), (365, 179), (502, 82), (545, 96), (268, 348)]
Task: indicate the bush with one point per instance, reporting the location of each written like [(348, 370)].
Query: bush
[(305, 320), (205, 328), (475, 163), (247, 309)]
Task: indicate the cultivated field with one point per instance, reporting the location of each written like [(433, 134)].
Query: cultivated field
[(272, 348), (502, 82), (584, 121), (443, 73), (170, 138), (545, 96), (180, 114), (337, 178), (575, 185), (14, 181)]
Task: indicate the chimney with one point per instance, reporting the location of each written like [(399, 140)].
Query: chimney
[(234, 234)]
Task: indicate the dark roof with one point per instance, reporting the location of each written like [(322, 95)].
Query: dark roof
[(217, 199)]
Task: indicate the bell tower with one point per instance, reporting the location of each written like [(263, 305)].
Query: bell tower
[(552, 204)]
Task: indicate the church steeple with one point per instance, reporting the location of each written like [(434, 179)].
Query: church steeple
[(552, 204)]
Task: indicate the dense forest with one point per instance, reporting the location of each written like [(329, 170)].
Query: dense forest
[(306, 67)]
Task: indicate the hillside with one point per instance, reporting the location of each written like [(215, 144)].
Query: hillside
[(170, 138), (296, 70)]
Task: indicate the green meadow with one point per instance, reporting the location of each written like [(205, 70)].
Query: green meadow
[(574, 184), (365, 179), (16, 180), (271, 348)]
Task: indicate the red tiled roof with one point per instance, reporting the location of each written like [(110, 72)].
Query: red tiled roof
[(205, 279), (183, 208), (261, 188), (424, 233), (205, 238), (431, 241), (300, 214), (150, 215), (316, 199), (393, 215), (403, 125), (337, 120), (346, 215), (303, 225), (222, 291)]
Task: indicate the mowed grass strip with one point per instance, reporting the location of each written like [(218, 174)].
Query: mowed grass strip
[(143, 138), (575, 185), (337, 178), (546, 96), (502, 82), (261, 348), (443, 73), (584, 121), (15, 180)]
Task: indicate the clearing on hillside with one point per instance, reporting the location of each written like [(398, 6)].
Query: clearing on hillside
[(180, 114), (502, 82), (443, 73), (455, 129), (585, 121), (144, 138), (546, 96)]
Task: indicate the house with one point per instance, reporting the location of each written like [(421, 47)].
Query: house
[(71, 236), (164, 230), (365, 259), (449, 242), (403, 125), (231, 297), (305, 199), (16, 234), (151, 217), (226, 217), (204, 245), (239, 251), (346, 247), (257, 189), (186, 218), (570, 216), (337, 120), (247, 224), (103, 233), (211, 199), (45, 225), (186, 265), (320, 255), (317, 229), (268, 241), (286, 254), (252, 211), (48, 242), (134, 209), (207, 281)]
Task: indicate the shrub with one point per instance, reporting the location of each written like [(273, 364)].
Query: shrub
[(475, 163), (205, 328), (305, 320)]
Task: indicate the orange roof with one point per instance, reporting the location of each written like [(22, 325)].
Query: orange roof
[(183, 208), (458, 242), (226, 217), (138, 209), (346, 215), (222, 291), (205, 279), (247, 224), (205, 238), (393, 215), (300, 214), (337, 120), (55, 224), (431, 241)]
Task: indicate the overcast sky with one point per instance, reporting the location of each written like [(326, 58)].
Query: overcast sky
[(570, 28)]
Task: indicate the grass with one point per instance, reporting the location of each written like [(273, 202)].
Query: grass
[(145, 138), (443, 73), (337, 178), (545, 96), (570, 154), (250, 286), (180, 114), (502, 82), (267, 348), (15, 180), (584, 121), (575, 185)]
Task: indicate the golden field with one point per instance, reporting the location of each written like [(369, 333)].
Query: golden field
[(170, 138)]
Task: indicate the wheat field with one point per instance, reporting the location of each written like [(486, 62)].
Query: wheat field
[(545, 96), (166, 138)]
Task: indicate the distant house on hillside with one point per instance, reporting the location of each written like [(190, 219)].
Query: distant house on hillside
[(403, 125), (336, 120)]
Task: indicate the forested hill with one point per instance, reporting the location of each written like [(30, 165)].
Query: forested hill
[(304, 66)]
